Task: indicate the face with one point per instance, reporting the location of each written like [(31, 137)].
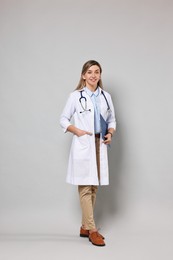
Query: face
[(92, 76)]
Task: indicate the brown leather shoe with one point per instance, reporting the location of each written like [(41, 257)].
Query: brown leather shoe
[(95, 239), (85, 233)]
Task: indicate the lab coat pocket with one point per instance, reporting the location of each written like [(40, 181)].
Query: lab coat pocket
[(82, 147)]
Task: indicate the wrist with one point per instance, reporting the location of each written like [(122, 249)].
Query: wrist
[(110, 133)]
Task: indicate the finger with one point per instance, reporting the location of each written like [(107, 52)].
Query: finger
[(107, 137), (107, 142), (89, 133)]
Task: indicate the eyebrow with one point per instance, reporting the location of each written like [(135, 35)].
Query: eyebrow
[(94, 70)]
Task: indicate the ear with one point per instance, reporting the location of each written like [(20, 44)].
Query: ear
[(83, 77)]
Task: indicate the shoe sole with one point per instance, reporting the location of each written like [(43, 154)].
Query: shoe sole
[(83, 235)]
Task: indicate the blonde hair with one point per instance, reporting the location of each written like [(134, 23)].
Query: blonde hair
[(85, 67)]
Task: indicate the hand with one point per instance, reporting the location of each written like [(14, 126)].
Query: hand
[(76, 131), (108, 139), (80, 132)]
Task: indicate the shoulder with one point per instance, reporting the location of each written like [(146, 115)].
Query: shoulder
[(74, 94)]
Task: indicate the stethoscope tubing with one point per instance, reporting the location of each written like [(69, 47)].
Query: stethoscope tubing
[(85, 100)]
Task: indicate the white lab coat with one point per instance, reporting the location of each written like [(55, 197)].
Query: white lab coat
[(82, 166)]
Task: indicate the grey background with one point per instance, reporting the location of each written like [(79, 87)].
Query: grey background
[(43, 45)]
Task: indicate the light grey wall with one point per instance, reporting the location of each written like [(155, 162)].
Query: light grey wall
[(43, 45)]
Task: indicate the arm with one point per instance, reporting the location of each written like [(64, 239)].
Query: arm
[(76, 131), (67, 113), (111, 123)]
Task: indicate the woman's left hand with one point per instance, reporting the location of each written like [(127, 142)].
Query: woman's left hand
[(108, 139)]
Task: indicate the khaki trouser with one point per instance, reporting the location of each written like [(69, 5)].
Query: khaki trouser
[(87, 195)]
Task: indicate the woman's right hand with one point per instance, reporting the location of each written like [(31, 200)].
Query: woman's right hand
[(76, 131), (80, 132)]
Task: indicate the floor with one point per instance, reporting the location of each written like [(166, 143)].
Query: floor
[(142, 234), (122, 243)]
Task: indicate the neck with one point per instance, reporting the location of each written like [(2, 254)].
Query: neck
[(91, 87)]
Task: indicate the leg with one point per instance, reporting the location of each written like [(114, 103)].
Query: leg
[(94, 192), (87, 196), (87, 200)]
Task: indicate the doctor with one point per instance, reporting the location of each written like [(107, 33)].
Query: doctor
[(88, 160)]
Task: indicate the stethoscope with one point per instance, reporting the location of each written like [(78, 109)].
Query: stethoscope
[(85, 109)]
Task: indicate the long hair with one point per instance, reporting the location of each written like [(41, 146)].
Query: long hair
[(85, 67)]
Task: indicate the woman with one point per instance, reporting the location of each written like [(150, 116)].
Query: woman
[(92, 110)]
